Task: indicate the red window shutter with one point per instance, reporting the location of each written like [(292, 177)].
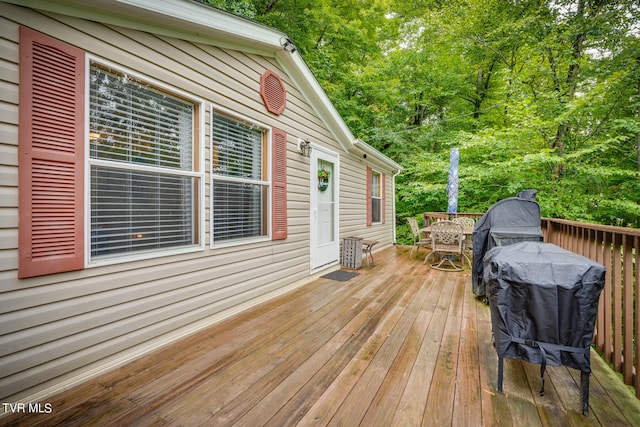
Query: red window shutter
[(279, 185), (51, 151), (383, 208), (369, 198)]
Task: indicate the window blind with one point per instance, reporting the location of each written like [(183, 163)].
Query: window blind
[(375, 184), (237, 148), (133, 211), (239, 174), (238, 210), (134, 125)]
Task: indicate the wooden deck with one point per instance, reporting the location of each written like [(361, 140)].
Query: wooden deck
[(398, 345)]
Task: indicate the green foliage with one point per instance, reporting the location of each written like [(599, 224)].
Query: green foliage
[(535, 94)]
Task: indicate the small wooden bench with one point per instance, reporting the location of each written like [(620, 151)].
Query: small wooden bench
[(367, 245)]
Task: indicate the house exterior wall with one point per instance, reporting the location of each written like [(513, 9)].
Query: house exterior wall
[(57, 329)]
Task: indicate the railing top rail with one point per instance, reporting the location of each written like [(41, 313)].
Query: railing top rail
[(599, 227)]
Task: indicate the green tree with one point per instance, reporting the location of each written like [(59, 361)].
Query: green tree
[(540, 94)]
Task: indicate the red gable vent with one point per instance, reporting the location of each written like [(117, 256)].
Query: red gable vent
[(273, 92)]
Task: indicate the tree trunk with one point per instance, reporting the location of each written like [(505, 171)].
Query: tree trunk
[(570, 83), (638, 135), (482, 88), (419, 110), (270, 5)]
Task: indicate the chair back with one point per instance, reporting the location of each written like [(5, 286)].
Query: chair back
[(465, 221), (447, 237), (415, 230)]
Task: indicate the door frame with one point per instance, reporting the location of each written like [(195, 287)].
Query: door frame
[(329, 254)]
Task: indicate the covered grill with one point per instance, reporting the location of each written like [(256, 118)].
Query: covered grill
[(544, 302), (507, 221)]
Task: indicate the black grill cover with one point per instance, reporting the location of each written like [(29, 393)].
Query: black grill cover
[(540, 293), (507, 221)]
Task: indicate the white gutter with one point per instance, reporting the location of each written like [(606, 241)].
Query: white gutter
[(393, 206)]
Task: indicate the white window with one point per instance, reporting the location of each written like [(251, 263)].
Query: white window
[(144, 182), (376, 197), (240, 186)]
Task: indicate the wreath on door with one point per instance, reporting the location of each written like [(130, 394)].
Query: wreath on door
[(323, 179)]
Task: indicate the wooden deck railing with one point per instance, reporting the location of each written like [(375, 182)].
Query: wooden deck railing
[(618, 324), (618, 249)]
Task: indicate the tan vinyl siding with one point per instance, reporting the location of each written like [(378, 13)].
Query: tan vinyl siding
[(353, 199), (8, 149), (60, 327)]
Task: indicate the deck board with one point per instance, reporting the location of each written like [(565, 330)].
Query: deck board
[(410, 410), (398, 345), (467, 402)]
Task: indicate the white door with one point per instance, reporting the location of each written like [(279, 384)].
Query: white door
[(325, 244)]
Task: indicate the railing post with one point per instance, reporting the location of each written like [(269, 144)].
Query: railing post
[(617, 288), (628, 352), (608, 319), (636, 289), (598, 256)]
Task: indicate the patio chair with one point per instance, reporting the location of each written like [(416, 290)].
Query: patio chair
[(446, 242), (466, 222), (418, 240)]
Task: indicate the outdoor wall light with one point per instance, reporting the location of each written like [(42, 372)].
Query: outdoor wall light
[(287, 44), (304, 147)]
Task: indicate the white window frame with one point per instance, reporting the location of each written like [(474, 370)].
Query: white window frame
[(267, 181), (196, 172), (375, 173)]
